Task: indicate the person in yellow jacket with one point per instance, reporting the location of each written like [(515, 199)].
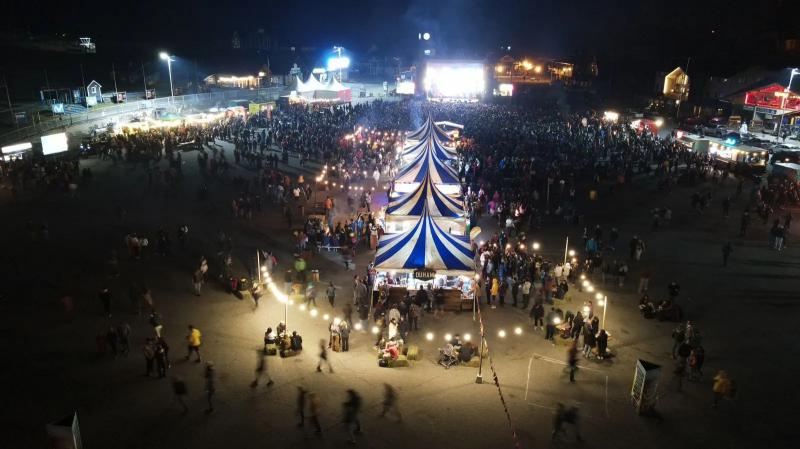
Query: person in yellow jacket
[(194, 341), (722, 386), (495, 292)]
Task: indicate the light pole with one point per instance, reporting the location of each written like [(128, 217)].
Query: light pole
[(603, 301), (338, 51), (785, 95), (169, 58)]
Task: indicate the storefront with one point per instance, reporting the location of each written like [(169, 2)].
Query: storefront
[(17, 151), (771, 105)]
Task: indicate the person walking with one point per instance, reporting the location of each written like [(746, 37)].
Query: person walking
[(390, 402), (323, 357), (602, 344), (572, 360), (314, 408), (589, 340), (161, 361), (261, 370), (124, 338), (562, 416), (194, 340), (210, 377), (537, 315), (105, 298), (179, 390), (302, 396), (197, 281), (727, 249), (149, 352), (344, 335), (331, 293), (550, 326), (721, 388), (351, 409)]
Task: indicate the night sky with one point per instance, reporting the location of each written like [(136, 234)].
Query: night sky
[(626, 36)]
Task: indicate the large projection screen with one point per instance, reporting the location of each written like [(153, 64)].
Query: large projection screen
[(455, 80), (54, 143)]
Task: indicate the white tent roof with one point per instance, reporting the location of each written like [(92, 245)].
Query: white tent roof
[(313, 84)]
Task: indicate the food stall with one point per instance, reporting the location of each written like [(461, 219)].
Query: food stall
[(426, 254)]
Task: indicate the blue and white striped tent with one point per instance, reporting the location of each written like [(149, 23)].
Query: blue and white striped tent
[(425, 245), (426, 195), (428, 127), (431, 141), (426, 164)]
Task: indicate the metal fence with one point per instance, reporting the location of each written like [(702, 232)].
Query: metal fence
[(218, 98)]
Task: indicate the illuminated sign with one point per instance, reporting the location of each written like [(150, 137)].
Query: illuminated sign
[(54, 143), (16, 148), (424, 274), (773, 96), (338, 63)]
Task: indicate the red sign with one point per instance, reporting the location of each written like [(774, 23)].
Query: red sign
[(772, 97)]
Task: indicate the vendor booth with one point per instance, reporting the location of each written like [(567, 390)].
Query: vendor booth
[(426, 255)]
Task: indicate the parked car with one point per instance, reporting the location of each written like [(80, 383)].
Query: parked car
[(712, 129)]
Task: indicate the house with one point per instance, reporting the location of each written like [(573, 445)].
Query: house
[(676, 85), (93, 89)]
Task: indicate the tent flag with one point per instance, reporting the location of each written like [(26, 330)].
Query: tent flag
[(426, 195), (425, 245)]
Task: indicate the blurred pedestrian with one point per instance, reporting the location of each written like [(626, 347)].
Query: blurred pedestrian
[(149, 352), (314, 407), (124, 335), (180, 390), (194, 341), (261, 370), (323, 357), (569, 416), (210, 378), (572, 360), (351, 409), (390, 402), (105, 298), (302, 396), (721, 388), (331, 293)]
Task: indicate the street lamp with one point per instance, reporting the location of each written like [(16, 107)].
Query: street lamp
[(169, 58), (785, 95), (602, 300), (339, 61)]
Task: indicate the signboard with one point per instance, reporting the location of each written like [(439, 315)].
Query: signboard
[(57, 108), (644, 391), (64, 433), (773, 96), (424, 274), (54, 143), (17, 148), (254, 108)]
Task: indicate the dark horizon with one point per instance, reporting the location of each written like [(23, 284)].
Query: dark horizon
[(630, 40)]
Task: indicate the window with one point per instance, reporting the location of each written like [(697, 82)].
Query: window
[(94, 90)]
